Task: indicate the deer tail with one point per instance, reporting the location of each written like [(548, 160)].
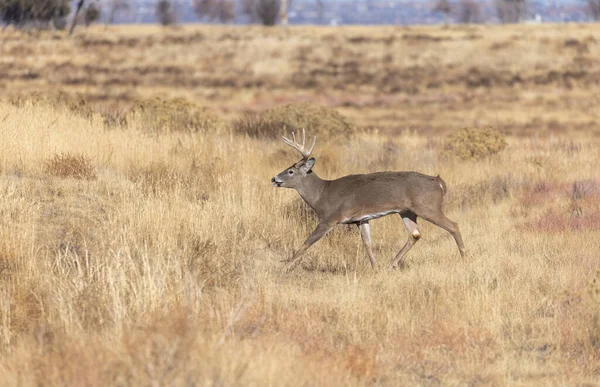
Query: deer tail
[(442, 185)]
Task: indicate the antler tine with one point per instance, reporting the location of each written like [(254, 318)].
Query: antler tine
[(313, 145), (288, 141), (300, 147)]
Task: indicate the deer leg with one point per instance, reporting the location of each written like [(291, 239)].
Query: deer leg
[(410, 222), (442, 221), (320, 231), (365, 233)]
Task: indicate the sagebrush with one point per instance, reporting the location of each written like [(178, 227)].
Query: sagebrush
[(271, 123), (475, 143)]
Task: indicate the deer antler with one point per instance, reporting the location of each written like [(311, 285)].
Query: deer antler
[(300, 148)]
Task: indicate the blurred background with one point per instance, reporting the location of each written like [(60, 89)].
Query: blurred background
[(493, 63), (321, 12)]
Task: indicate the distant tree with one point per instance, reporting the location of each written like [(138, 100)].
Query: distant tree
[(444, 7), (77, 10), (91, 14), (165, 13), (283, 12), (215, 10), (285, 5), (117, 6), (320, 10), (594, 9), (469, 12), (265, 12), (21, 12), (511, 11)]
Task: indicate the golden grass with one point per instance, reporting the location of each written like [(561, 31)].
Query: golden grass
[(165, 268)]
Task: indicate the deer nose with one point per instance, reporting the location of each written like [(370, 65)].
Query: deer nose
[(272, 180)]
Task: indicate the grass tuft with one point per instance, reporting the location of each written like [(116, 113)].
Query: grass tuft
[(65, 165)]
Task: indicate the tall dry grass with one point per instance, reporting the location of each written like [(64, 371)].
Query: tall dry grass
[(165, 268)]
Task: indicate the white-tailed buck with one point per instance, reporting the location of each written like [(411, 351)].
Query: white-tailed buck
[(356, 199)]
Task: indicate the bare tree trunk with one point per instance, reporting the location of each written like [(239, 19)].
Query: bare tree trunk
[(320, 10), (79, 6), (284, 12)]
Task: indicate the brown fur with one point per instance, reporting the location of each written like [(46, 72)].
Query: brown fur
[(357, 199)]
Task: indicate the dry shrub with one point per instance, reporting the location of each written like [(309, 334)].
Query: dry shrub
[(66, 165), (318, 120), (155, 114), (112, 114), (73, 102), (169, 115), (468, 143)]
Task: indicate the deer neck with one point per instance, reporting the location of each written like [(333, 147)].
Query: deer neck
[(312, 190)]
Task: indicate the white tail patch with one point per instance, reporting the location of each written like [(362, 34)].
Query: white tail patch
[(442, 187)]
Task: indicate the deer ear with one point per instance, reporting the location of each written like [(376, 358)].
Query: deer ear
[(307, 166)]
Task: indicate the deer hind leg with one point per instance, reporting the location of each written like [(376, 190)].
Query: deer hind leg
[(320, 231), (440, 220), (365, 233), (410, 222)]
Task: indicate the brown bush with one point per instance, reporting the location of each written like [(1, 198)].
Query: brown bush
[(66, 165), (470, 143), (155, 114), (169, 115), (112, 115), (317, 120)]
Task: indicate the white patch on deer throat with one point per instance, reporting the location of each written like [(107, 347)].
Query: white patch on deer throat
[(367, 217)]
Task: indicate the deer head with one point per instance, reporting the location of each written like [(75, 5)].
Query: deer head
[(292, 176)]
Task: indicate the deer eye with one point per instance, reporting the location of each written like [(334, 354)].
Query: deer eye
[(290, 172)]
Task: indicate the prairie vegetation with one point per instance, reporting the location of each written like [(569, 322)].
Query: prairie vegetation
[(141, 240)]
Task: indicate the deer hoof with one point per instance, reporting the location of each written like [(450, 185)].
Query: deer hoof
[(398, 266)]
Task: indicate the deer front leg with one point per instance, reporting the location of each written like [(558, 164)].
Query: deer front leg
[(320, 231)]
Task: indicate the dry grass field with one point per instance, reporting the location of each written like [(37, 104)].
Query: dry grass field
[(141, 240)]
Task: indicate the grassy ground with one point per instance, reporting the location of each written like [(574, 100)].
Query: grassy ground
[(522, 79), (133, 255)]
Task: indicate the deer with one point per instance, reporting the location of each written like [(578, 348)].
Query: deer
[(358, 199)]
